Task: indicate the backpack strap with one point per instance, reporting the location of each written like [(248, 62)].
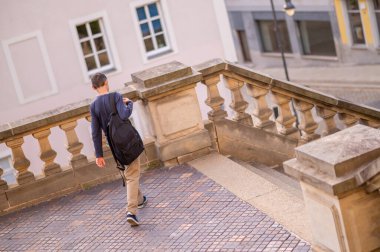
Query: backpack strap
[(114, 112), (112, 103)]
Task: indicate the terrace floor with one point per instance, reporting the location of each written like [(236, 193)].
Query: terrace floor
[(186, 211)]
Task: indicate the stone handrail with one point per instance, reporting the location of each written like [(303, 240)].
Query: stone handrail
[(175, 143), (305, 99)]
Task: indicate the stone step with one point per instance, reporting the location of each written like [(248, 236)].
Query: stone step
[(269, 194), (275, 175)]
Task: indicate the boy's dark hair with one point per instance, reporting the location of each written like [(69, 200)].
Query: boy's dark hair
[(98, 80)]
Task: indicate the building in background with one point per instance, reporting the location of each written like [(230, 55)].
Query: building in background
[(49, 50), (322, 32)]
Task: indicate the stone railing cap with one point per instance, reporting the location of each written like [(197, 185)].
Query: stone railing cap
[(343, 152), (249, 73), (305, 92), (163, 73), (211, 67)]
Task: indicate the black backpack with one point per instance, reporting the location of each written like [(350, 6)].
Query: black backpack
[(124, 140)]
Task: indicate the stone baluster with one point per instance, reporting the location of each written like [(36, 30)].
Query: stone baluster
[(328, 120), (47, 153), (214, 100), (286, 119), (370, 123), (3, 183), (307, 124), (73, 144), (262, 112), (348, 120), (239, 105), (20, 162)]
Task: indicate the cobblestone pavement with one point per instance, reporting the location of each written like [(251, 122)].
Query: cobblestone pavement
[(186, 211)]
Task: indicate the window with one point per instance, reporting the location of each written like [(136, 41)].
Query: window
[(268, 36), (355, 22), (95, 48), (316, 38), (152, 29), (376, 4), (244, 45)]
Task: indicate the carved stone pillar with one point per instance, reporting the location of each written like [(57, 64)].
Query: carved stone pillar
[(307, 124), (348, 120), (328, 120), (3, 183), (370, 123), (262, 112), (20, 162), (214, 100), (168, 92), (285, 119), (47, 153), (73, 144), (239, 105), (338, 176)]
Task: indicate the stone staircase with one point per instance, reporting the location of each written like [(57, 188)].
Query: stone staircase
[(270, 191)]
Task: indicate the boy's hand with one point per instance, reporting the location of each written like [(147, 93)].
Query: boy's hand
[(100, 162), (125, 100)]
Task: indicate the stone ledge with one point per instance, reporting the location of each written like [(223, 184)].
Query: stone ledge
[(211, 67), (145, 93), (163, 73), (53, 117), (248, 73)]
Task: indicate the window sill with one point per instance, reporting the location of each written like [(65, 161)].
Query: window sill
[(276, 55), (318, 57), (157, 55), (359, 47)]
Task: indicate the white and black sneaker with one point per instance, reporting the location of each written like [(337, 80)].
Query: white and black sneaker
[(132, 219), (142, 205)]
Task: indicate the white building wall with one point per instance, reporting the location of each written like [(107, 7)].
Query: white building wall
[(49, 63)]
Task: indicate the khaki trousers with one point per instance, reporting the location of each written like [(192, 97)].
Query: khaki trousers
[(132, 177)]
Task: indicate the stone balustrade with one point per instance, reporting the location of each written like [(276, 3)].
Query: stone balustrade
[(171, 107)]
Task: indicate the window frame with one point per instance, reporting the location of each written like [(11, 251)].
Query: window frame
[(261, 41), (376, 26), (166, 24), (106, 32), (349, 25)]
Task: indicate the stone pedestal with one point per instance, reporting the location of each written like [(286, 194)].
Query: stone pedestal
[(168, 91), (338, 175)]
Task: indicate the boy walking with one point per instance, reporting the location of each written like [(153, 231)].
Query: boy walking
[(101, 110)]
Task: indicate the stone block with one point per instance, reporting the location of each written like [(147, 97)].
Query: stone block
[(3, 201), (184, 145), (176, 115), (91, 174), (40, 190), (171, 162), (161, 74), (342, 152), (194, 155), (252, 144)]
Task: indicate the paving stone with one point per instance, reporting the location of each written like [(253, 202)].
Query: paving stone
[(186, 211)]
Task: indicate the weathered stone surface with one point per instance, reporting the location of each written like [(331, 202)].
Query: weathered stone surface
[(161, 74), (176, 115), (92, 174), (42, 189), (194, 155), (252, 144), (248, 73), (211, 67), (3, 201), (342, 152), (184, 145), (173, 86)]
